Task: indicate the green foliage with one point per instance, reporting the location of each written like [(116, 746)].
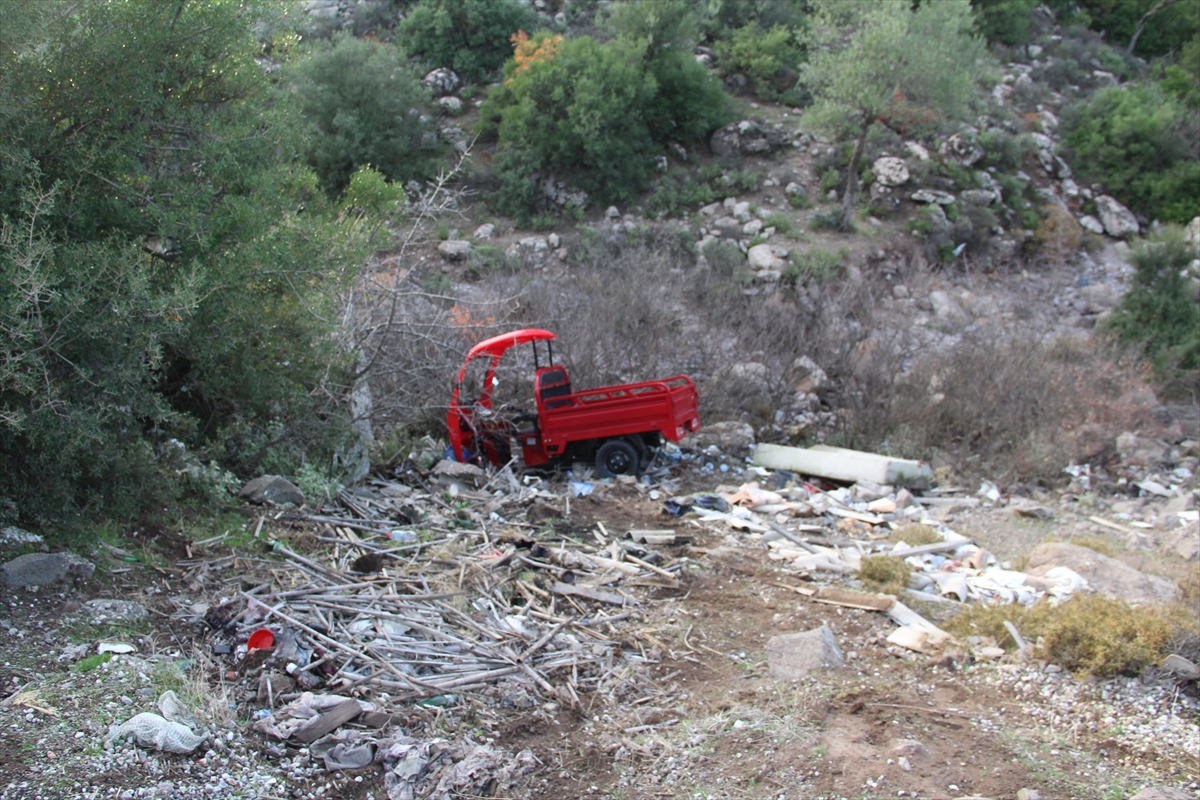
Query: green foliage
[(156, 278), (768, 59), (596, 115), (818, 264), (1182, 80), (1143, 146), (718, 17), (1157, 312), (724, 258), (1004, 21), (912, 70), (370, 194), (364, 108), (784, 224), (1165, 32), (829, 220), (470, 37)]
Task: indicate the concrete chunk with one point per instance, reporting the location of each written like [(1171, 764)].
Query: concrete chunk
[(793, 655)]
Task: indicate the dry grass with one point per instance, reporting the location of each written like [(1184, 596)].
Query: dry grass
[(1089, 634), (916, 534), (884, 574)]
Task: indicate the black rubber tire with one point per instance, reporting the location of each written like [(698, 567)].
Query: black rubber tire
[(616, 457)]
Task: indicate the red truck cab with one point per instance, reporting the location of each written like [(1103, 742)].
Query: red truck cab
[(617, 427)]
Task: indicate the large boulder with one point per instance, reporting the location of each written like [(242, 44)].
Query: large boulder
[(45, 569), (747, 138), (272, 490), (890, 171), (455, 249), (933, 196), (442, 81), (1118, 220), (791, 656), (1103, 574), (766, 256), (1192, 233), (961, 148)]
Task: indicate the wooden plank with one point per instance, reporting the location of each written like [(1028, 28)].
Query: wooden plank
[(331, 720), (848, 598), (610, 598), (937, 547), (377, 719)]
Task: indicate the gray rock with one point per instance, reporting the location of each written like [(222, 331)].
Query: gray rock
[(746, 138), (753, 227), (442, 81), (1091, 223), (890, 171), (1162, 793), (45, 569), (810, 378), (917, 150), (13, 538), (485, 231), (765, 256), (103, 609), (451, 105), (946, 308), (455, 249), (793, 655), (1101, 295), (272, 490), (1118, 220), (1103, 574), (732, 438), (793, 189), (978, 197), (753, 374), (933, 196), (961, 148)]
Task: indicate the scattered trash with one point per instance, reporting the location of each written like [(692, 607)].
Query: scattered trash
[(261, 639), (118, 648)]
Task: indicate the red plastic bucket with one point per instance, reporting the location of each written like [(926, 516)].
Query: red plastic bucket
[(261, 639)]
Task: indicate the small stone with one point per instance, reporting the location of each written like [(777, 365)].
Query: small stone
[(1029, 794), (890, 171), (612, 212), (485, 231)]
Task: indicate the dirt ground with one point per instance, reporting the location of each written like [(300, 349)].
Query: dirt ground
[(889, 724)]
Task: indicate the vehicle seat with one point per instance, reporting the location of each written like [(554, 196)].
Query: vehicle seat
[(553, 383)]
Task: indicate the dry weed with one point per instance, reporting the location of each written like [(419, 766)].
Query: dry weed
[(1090, 634), (916, 534), (884, 574)]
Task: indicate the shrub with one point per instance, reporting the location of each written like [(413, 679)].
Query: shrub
[(596, 115), (829, 220), (915, 534), (470, 37), (1157, 312), (885, 574), (1090, 634), (1004, 21), (1143, 146), (363, 108), (783, 224), (817, 263), (157, 284), (769, 59)]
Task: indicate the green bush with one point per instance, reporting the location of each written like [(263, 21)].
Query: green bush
[(1004, 21), (157, 282), (595, 115), (364, 108), (783, 224), (1157, 312), (470, 37), (1141, 144), (818, 264), (768, 58)]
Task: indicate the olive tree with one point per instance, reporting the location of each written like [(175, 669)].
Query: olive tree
[(884, 64)]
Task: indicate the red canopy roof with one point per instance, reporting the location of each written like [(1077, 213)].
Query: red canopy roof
[(498, 344)]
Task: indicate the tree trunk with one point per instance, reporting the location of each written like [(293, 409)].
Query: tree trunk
[(852, 180), (1161, 5)]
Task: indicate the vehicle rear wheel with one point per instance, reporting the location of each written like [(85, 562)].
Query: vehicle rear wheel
[(616, 457)]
